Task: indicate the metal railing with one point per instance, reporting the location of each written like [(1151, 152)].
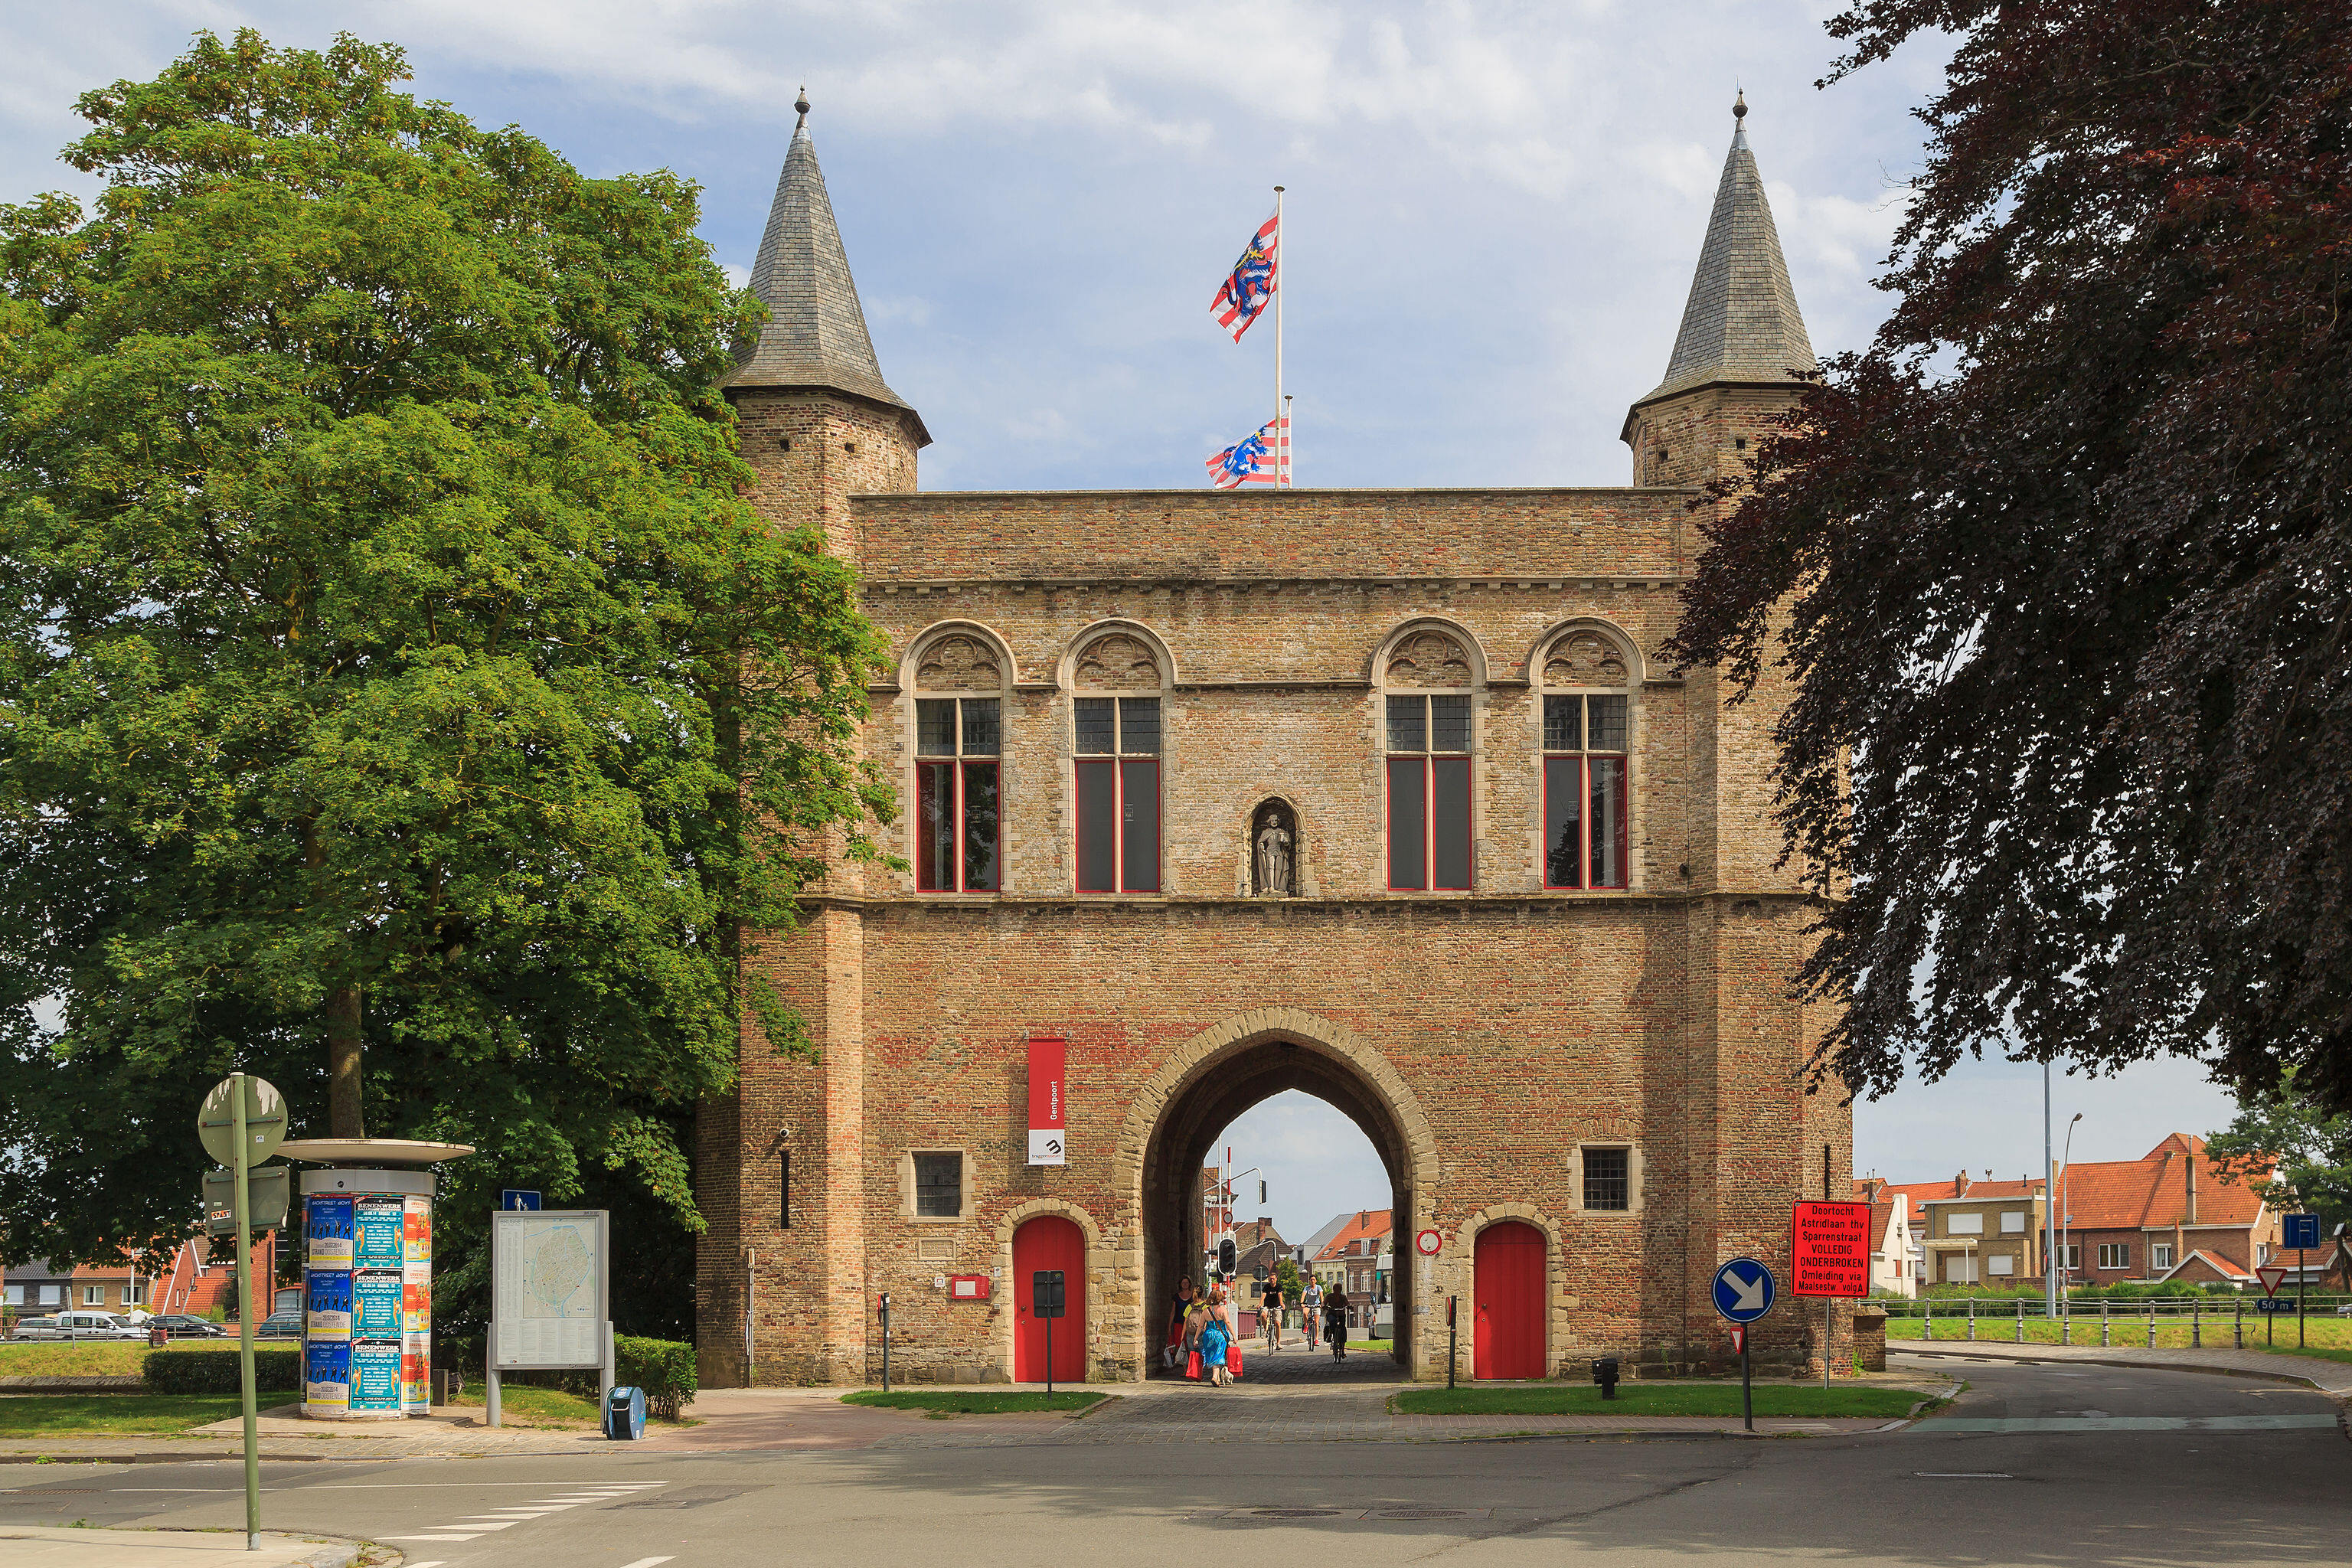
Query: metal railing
[(2174, 1321)]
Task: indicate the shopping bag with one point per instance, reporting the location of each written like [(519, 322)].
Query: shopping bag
[(1193, 1367), (1234, 1359)]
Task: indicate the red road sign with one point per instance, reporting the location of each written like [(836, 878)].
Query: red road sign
[(1829, 1249), (2272, 1278), (1427, 1243), (1738, 1338)]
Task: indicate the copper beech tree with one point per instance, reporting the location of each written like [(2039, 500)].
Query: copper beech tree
[(2058, 568)]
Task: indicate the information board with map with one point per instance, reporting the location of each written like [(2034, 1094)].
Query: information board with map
[(548, 1287)]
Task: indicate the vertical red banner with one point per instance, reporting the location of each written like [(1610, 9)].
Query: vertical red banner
[(1048, 1099)]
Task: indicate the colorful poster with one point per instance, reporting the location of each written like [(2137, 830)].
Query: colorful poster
[(416, 1304), (416, 1230), (327, 1304), (375, 1377), (375, 1304), (416, 1372), (329, 1227), (327, 1378), (378, 1223)]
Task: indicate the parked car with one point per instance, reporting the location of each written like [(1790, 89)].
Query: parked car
[(34, 1328), (183, 1326), (82, 1326), (286, 1324)]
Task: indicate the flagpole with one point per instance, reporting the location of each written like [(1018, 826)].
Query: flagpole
[(1281, 428), (1286, 445)]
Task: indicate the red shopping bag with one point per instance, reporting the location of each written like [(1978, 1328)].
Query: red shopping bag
[(1233, 1358), (1193, 1367)]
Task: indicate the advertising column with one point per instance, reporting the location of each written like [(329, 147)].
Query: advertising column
[(367, 1294)]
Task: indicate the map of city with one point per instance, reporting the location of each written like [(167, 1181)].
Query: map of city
[(547, 1291)]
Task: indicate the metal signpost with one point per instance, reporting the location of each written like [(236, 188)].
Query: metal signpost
[(1453, 1340), (550, 1297), (1744, 1291), (885, 1310), (1047, 1299), (243, 1120), (2302, 1233), (1829, 1256)]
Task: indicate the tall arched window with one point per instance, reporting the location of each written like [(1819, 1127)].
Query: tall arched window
[(1116, 680), (1586, 730), (1428, 729), (959, 743)]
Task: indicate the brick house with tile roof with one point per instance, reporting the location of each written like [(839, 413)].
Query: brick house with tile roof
[(1893, 1261), (2144, 1219)]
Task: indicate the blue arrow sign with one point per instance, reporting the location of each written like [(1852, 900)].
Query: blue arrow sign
[(1744, 1289), (517, 1198)]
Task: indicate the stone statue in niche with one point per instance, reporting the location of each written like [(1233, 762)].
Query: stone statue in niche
[(1275, 856)]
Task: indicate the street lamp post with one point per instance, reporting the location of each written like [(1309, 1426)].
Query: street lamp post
[(2067, 1210)]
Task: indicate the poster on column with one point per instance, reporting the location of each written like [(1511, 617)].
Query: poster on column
[(328, 1225), (375, 1378), (326, 1377), (416, 1372), (416, 1230), (1049, 1103), (327, 1304), (376, 1304), (377, 1224)]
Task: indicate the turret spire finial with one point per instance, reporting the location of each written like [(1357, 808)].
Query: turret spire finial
[(1738, 109), (802, 104)]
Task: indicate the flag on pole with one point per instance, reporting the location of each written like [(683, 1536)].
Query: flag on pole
[(1256, 459), (1243, 295)]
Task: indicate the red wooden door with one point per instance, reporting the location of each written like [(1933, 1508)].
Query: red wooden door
[(1507, 1289), (1049, 1242)]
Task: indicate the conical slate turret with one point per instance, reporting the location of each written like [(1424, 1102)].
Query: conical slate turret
[(815, 334), (1741, 324)]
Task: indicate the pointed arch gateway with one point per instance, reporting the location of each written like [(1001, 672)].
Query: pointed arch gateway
[(1213, 1078)]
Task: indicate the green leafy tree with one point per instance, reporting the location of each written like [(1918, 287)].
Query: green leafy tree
[(397, 698), (1286, 1280), (2059, 572), (2310, 1145)]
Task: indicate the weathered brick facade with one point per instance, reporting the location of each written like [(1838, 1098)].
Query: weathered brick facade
[(1481, 1038)]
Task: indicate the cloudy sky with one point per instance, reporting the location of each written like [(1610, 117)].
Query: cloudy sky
[(1493, 210)]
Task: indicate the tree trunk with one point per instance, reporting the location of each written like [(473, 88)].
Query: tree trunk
[(343, 1064)]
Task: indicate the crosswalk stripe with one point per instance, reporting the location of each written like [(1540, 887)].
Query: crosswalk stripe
[(648, 1562), (432, 1538)]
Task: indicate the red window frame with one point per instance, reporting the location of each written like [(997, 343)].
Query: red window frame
[(1124, 766), (960, 770), (1581, 759), (1427, 762)]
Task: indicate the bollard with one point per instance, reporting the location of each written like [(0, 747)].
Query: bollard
[(2021, 1320), (2067, 1326), (2151, 1325), (2196, 1323), (1927, 1319), (1972, 1316), (2238, 1328), (2103, 1322)]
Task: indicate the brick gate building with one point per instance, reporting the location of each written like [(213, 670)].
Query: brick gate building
[(1386, 796)]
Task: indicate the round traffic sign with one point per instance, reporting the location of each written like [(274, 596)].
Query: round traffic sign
[(1744, 1289), (265, 1121), (1427, 1243)]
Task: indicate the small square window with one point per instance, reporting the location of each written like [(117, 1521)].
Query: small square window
[(1563, 723), (2159, 1255), (1608, 1182), (1606, 720), (1139, 726), (935, 727), (980, 726), (2013, 1224), (1408, 721), (1097, 720), (1449, 723), (939, 1186)]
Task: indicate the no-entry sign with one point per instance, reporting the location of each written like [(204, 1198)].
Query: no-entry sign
[(1829, 1249)]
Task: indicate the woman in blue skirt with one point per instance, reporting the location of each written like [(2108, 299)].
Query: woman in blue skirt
[(1216, 1335)]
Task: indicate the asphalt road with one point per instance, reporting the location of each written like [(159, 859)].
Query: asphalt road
[(2098, 1490)]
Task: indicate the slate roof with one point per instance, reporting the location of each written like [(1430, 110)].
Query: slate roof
[(815, 334), (1741, 324)]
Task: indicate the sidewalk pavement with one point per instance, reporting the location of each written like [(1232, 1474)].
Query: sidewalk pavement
[(2333, 1377), (36, 1547), (450, 1432)]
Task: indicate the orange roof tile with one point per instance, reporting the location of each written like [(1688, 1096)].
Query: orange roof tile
[(1367, 1223), (2152, 1192)]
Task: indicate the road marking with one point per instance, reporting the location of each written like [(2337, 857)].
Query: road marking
[(486, 1524), (2124, 1423), (1923, 1475), (648, 1562), (429, 1538)]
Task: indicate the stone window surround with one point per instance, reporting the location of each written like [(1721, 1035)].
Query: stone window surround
[(1633, 1210), (908, 750), (1069, 688), (1476, 690), (1636, 678), (907, 1185)]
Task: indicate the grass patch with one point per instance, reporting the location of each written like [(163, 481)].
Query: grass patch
[(107, 1414), (1654, 1399), (96, 1358), (2330, 1337), (522, 1406), (1382, 1347), (984, 1402)]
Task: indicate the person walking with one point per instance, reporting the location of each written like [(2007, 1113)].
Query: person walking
[(1335, 1321), (1310, 1310), (1196, 1319), (1179, 1306), (1217, 1333)]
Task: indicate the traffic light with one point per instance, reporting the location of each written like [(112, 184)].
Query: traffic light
[(1225, 1257)]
